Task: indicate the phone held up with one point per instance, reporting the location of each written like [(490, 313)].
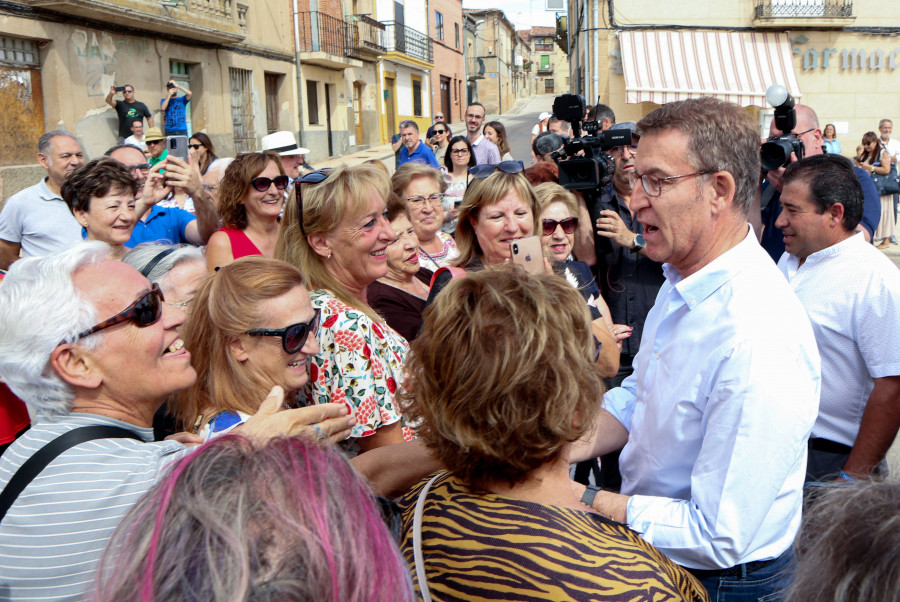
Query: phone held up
[(177, 146), (528, 253), (120, 88)]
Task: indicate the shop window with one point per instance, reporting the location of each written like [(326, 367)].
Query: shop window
[(21, 101), (312, 102)]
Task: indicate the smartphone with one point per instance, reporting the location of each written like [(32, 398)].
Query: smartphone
[(120, 88), (528, 253), (178, 146)]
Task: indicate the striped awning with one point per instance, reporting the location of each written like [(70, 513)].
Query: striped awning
[(662, 66)]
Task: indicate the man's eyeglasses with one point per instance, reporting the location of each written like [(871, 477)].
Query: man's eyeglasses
[(262, 184), (474, 116), (653, 184), (144, 167), (195, 146), (459, 151), (483, 171), (568, 225), (311, 178), (293, 337), (418, 201), (617, 150), (144, 312)]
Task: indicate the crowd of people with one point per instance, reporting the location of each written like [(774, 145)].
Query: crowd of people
[(245, 378)]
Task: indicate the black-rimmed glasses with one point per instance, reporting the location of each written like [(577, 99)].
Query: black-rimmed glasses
[(568, 225), (144, 312), (262, 184), (653, 184), (311, 178), (293, 337)]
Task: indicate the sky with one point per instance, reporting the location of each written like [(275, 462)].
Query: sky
[(524, 14)]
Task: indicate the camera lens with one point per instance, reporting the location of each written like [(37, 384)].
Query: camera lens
[(515, 248), (775, 153)]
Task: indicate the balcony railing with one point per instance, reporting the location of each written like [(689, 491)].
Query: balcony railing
[(769, 9), (320, 32), (367, 35), (407, 40), (543, 69)]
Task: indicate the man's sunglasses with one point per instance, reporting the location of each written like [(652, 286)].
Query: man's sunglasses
[(155, 141), (293, 337), (145, 311), (568, 225), (483, 171), (262, 184), (311, 178), (195, 146)]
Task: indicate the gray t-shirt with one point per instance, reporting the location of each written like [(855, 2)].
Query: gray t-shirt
[(39, 220), (53, 535)]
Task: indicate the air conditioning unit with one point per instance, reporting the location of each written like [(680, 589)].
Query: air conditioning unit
[(555, 5)]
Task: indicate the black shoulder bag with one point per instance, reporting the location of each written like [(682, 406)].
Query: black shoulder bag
[(39, 461)]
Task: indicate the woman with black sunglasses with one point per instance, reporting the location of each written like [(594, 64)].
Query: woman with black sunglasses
[(459, 158), (203, 153), (251, 327), (251, 197), (440, 142)]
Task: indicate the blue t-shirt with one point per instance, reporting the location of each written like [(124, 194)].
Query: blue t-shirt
[(176, 114), (422, 154), (163, 224)]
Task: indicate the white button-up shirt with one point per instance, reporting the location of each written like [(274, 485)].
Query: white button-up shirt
[(720, 405), (851, 292)]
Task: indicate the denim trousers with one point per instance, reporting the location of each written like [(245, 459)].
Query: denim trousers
[(766, 584)]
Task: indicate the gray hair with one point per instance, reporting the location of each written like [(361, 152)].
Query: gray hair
[(39, 308), (219, 166), (46, 140), (847, 546), (883, 121), (409, 123), (142, 255)]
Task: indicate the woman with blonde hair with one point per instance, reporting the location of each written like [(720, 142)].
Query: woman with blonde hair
[(336, 232), (502, 383), (422, 188), (875, 159), (251, 196)]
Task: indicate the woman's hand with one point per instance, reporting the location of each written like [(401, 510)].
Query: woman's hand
[(621, 332), (324, 421)]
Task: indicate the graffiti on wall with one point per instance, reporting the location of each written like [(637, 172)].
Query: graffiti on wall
[(99, 54)]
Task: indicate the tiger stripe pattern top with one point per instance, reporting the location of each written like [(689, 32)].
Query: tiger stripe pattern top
[(489, 547)]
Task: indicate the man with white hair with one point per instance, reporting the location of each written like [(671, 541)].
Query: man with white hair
[(86, 342)]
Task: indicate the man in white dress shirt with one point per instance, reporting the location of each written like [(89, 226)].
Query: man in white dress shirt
[(852, 295), (716, 416)]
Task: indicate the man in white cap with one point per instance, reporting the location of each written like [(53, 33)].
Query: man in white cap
[(292, 156)]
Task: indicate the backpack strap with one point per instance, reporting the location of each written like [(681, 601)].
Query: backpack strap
[(39, 461), (455, 272)]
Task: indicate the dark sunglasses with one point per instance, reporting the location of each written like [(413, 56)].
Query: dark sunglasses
[(483, 171), (155, 141), (145, 311), (440, 131), (311, 178), (568, 225), (195, 146), (262, 184), (293, 337)]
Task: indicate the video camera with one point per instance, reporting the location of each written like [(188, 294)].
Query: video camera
[(594, 169), (776, 151)]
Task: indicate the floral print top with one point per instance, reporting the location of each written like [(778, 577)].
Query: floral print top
[(360, 363), (447, 254)]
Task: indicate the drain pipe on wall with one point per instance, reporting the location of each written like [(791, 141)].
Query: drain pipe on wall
[(596, 66), (299, 74)]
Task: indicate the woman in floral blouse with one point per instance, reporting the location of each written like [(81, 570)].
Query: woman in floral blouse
[(335, 231)]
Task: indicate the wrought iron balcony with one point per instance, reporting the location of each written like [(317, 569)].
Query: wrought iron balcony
[(367, 36), (545, 69), (776, 9), (414, 43), (320, 32), (474, 68)]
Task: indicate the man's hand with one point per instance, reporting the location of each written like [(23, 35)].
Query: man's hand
[(155, 190), (776, 176), (186, 176), (325, 421), (179, 174), (610, 225)]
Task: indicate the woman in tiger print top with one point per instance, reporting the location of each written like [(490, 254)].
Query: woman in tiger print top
[(502, 381)]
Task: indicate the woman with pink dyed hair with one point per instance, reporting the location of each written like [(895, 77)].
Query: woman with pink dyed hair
[(288, 520)]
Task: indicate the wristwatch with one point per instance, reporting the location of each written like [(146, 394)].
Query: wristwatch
[(639, 242)]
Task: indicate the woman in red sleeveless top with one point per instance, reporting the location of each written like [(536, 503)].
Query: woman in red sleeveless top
[(251, 196)]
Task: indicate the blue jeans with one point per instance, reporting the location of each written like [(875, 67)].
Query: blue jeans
[(762, 585)]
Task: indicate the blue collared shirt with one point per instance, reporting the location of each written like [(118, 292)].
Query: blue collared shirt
[(163, 224), (422, 154), (719, 408)]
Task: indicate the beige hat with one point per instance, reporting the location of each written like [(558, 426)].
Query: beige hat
[(283, 143), (153, 134)]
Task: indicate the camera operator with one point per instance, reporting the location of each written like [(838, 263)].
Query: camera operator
[(548, 146), (808, 132), (175, 109)]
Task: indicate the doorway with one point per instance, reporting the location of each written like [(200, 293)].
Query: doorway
[(357, 111), (445, 99), (390, 111)]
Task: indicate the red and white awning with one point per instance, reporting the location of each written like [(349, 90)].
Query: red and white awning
[(738, 66)]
